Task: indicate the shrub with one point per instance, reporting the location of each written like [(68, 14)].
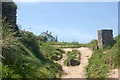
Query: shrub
[(22, 58), (103, 60), (23, 63), (111, 56), (41, 39), (30, 41), (9, 73), (7, 31), (57, 56), (73, 58), (97, 67), (66, 45), (93, 45), (51, 52), (61, 50)]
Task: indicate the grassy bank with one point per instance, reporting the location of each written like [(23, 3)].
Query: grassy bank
[(22, 56), (51, 52), (66, 44), (102, 60)]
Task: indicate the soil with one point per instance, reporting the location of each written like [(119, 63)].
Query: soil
[(75, 71)]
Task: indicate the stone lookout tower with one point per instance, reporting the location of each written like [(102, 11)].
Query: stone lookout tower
[(105, 37)]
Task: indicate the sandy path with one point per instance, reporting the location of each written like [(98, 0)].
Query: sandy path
[(113, 73), (77, 71)]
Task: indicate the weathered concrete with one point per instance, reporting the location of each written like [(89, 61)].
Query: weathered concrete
[(105, 37)]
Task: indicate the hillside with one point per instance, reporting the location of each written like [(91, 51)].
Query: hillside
[(103, 63), (103, 60), (23, 59), (26, 55), (21, 52)]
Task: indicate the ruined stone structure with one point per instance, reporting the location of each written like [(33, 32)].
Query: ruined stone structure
[(105, 37), (9, 10)]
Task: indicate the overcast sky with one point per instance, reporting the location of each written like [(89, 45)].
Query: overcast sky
[(70, 21)]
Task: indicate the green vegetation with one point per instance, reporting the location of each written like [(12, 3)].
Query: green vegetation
[(73, 58), (102, 60), (25, 55), (51, 52), (97, 67), (92, 45), (61, 50), (41, 39), (66, 45), (22, 58)]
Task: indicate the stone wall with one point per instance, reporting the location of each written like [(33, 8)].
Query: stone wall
[(105, 37), (9, 10)]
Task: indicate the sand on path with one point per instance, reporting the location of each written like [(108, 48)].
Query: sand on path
[(76, 71)]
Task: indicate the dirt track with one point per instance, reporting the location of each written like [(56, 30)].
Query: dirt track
[(77, 71), (113, 73)]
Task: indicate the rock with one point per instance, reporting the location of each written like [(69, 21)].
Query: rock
[(74, 62), (87, 56)]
